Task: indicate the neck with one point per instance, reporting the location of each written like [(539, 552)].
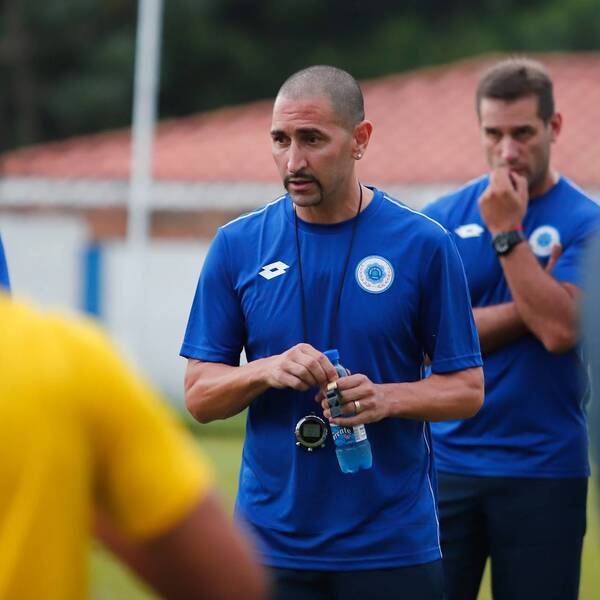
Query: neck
[(342, 207)]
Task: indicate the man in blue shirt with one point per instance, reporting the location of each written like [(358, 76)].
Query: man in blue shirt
[(513, 479), (334, 264), (4, 279)]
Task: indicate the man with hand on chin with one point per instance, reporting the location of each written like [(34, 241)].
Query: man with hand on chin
[(513, 479), (334, 264)]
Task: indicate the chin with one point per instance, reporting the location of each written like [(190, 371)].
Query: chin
[(305, 201)]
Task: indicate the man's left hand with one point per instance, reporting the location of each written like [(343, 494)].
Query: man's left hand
[(362, 401)]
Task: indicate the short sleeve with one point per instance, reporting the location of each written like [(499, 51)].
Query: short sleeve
[(148, 473), (450, 335), (569, 265), (215, 331)]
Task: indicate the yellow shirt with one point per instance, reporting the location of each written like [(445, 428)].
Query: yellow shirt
[(78, 429)]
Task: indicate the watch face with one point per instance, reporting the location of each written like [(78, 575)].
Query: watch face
[(505, 241), (311, 432), (501, 245)]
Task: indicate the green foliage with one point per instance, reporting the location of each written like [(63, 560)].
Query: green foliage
[(68, 64)]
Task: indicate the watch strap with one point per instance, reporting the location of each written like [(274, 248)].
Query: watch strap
[(505, 241)]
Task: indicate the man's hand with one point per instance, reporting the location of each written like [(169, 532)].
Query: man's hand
[(362, 401), (299, 368), (554, 256), (504, 203)]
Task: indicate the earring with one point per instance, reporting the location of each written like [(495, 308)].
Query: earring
[(358, 155)]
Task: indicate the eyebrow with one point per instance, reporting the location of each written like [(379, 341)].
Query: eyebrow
[(301, 130), (526, 127)]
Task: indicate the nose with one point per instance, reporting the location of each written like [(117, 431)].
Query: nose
[(296, 160), (509, 149)]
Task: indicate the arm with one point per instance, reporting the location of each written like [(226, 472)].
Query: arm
[(194, 558), (217, 391), (498, 325), (547, 308), (501, 324), (456, 395), (150, 486)]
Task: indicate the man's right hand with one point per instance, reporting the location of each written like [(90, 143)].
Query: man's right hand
[(299, 368), (504, 202)]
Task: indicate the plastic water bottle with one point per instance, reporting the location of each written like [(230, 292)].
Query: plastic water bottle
[(352, 447)]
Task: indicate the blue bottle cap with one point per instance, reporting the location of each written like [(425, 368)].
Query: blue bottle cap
[(333, 355)]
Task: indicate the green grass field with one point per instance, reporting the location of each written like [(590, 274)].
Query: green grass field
[(110, 581)]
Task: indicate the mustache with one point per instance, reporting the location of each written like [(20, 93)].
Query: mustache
[(300, 176)]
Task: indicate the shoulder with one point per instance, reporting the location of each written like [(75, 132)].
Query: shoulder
[(576, 209), (74, 341), (60, 328), (245, 224), (578, 197), (69, 351), (416, 220), (78, 333), (463, 196)]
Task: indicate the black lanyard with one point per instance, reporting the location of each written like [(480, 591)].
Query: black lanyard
[(336, 308)]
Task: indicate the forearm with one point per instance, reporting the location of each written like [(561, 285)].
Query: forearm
[(193, 558), (439, 397), (498, 325), (218, 391), (545, 306)]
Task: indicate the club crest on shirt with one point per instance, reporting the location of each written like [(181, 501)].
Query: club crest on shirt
[(469, 230), (542, 239), (374, 274)]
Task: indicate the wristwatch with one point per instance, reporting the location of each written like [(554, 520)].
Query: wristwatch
[(505, 241)]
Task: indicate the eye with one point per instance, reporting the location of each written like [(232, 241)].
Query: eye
[(279, 139), (523, 133), (311, 138), (493, 134)]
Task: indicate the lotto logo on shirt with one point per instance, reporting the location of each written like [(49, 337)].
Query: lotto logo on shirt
[(470, 230), (273, 270), (374, 274)]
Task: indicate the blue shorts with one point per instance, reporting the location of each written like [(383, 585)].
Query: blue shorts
[(418, 582), (532, 529)]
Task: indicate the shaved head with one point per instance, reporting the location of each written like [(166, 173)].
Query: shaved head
[(339, 86)]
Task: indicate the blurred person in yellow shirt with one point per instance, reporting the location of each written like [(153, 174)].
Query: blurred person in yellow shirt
[(81, 434)]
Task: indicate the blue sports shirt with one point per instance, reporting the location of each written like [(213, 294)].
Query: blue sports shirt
[(404, 295), (532, 423), (4, 279)]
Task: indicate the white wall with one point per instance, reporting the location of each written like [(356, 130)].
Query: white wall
[(44, 256), (147, 311)]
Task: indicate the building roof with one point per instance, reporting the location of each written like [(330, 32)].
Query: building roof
[(425, 132)]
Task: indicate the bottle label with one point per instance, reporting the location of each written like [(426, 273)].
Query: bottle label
[(347, 436), (360, 433)]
